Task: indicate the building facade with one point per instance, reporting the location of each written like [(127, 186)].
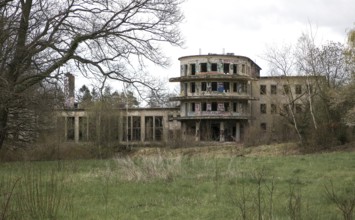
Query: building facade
[(222, 97)]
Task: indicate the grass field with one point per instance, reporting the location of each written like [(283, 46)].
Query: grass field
[(177, 185)]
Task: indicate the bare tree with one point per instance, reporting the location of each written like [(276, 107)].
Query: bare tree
[(40, 39)]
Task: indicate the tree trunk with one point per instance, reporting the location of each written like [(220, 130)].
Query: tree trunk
[(3, 123)]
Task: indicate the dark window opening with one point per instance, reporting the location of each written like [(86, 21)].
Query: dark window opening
[(214, 106), (298, 89), (204, 106), (235, 107), (193, 87), (226, 86), (234, 87), (158, 128), (263, 108), (193, 69), (298, 108), (214, 86), (226, 68), (262, 89), (235, 68), (203, 86), (263, 126), (203, 67), (214, 67), (310, 89), (70, 128), (286, 89), (226, 106), (273, 89), (193, 107), (136, 131)]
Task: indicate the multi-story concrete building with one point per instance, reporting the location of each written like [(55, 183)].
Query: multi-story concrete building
[(217, 96), (221, 97)]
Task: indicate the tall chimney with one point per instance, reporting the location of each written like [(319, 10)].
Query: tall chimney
[(69, 87)]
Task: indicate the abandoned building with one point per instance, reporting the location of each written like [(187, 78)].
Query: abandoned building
[(222, 96)]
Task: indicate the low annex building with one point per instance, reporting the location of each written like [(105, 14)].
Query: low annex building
[(222, 96)]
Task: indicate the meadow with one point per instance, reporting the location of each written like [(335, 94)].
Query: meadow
[(178, 185)]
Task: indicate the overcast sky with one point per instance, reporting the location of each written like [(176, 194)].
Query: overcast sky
[(247, 27)]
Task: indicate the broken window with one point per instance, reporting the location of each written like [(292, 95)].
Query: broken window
[(226, 86), (298, 89), (263, 126), (262, 89), (226, 106), (193, 69), (204, 106), (214, 106), (214, 86), (158, 128), (136, 129), (226, 68), (203, 86), (263, 108), (70, 128), (235, 68), (214, 67), (273, 89), (192, 87), (192, 107), (235, 87), (203, 67), (235, 105), (83, 129)]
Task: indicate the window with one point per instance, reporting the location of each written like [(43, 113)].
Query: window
[(192, 107), (193, 87), (214, 86), (235, 68), (193, 69), (263, 108), (204, 106), (203, 86), (262, 89), (298, 89), (214, 67), (273, 89), (310, 89), (214, 106), (226, 106), (263, 126), (235, 105), (226, 86), (203, 67), (286, 89), (226, 68), (273, 109), (243, 68)]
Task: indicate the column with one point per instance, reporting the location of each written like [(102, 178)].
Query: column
[(221, 131), (237, 132), (76, 129), (197, 132)]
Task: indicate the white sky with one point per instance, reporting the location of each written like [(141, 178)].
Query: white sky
[(247, 27)]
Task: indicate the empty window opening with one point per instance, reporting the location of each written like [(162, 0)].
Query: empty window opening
[(235, 105), (193, 107), (203, 67), (273, 89), (263, 108), (158, 128), (263, 126), (192, 87), (262, 89), (286, 89), (226, 86), (204, 106), (83, 129), (298, 89), (193, 69), (70, 128), (226, 68), (226, 106), (235, 68), (203, 86), (214, 86), (214, 106), (136, 130), (214, 67)]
